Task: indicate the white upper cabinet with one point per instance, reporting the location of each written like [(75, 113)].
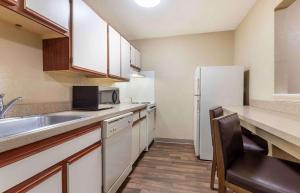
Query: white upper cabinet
[(114, 52), (135, 57), (138, 58), (132, 55), (125, 58), (89, 39), (55, 11)]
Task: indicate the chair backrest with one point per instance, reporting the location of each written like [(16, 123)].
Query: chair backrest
[(228, 140), (214, 113)]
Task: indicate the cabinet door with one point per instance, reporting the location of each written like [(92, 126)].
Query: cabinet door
[(85, 173), (138, 58), (132, 55), (135, 142), (55, 11), (125, 58), (114, 52), (143, 135), (48, 181), (53, 184), (89, 39), (151, 126)]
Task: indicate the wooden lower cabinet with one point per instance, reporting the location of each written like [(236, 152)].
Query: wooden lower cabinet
[(85, 174)]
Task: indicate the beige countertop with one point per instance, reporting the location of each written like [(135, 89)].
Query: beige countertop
[(11, 142), (281, 125)]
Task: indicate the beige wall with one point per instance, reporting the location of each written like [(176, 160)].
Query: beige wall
[(254, 47), (287, 48), (21, 70), (174, 60)]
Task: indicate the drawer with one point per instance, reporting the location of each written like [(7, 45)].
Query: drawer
[(39, 162)]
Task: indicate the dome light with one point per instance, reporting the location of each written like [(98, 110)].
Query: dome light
[(147, 3)]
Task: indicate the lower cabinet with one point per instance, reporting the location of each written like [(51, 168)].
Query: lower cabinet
[(85, 173), (135, 142), (139, 138), (143, 134), (52, 184), (69, 162)]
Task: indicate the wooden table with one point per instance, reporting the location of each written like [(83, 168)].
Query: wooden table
[(282, 131)]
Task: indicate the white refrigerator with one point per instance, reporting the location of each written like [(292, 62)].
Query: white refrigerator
[(214, 86)]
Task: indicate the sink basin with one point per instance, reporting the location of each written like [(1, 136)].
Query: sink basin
[(15, 126)]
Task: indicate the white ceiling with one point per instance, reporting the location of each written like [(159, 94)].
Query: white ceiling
[(172, 17)]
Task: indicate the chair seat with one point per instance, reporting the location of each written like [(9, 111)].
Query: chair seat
[(250, 145), (262, 174)]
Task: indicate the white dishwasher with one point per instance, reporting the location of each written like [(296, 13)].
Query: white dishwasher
[(117, 136)]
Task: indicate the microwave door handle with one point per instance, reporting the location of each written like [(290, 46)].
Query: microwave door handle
[(114, 97)]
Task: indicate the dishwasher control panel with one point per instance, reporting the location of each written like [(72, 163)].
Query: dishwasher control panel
[(116, 124)]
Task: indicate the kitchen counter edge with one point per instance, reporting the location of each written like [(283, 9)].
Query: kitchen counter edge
[(12, 142)]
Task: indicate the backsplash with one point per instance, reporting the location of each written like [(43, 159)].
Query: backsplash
[(21, 74), (38, 109)]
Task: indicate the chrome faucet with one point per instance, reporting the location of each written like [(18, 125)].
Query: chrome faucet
[(5, 108)]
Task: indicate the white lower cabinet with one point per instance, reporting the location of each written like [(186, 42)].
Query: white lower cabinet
[(51, 185), (135, 142), (85, 174), (143, 134), (44, 171)]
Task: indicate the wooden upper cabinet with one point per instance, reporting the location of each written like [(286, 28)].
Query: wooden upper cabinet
[(89, 39), (10, 2), (125, 58), (49, 19), (114, 52), (56, 12)]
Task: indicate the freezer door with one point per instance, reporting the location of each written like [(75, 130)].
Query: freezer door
[(197, 125)]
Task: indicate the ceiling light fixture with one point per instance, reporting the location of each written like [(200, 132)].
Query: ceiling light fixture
[(147, 3)]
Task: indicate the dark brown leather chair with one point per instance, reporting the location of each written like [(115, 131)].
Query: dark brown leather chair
[(243, 171), (250, 142)]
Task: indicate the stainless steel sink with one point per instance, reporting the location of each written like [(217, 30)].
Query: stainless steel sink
[(15, 126)]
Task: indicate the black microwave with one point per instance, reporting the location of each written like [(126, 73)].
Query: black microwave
[(94, 97)]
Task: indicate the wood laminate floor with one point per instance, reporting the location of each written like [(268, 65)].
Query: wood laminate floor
[(169, 168)]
